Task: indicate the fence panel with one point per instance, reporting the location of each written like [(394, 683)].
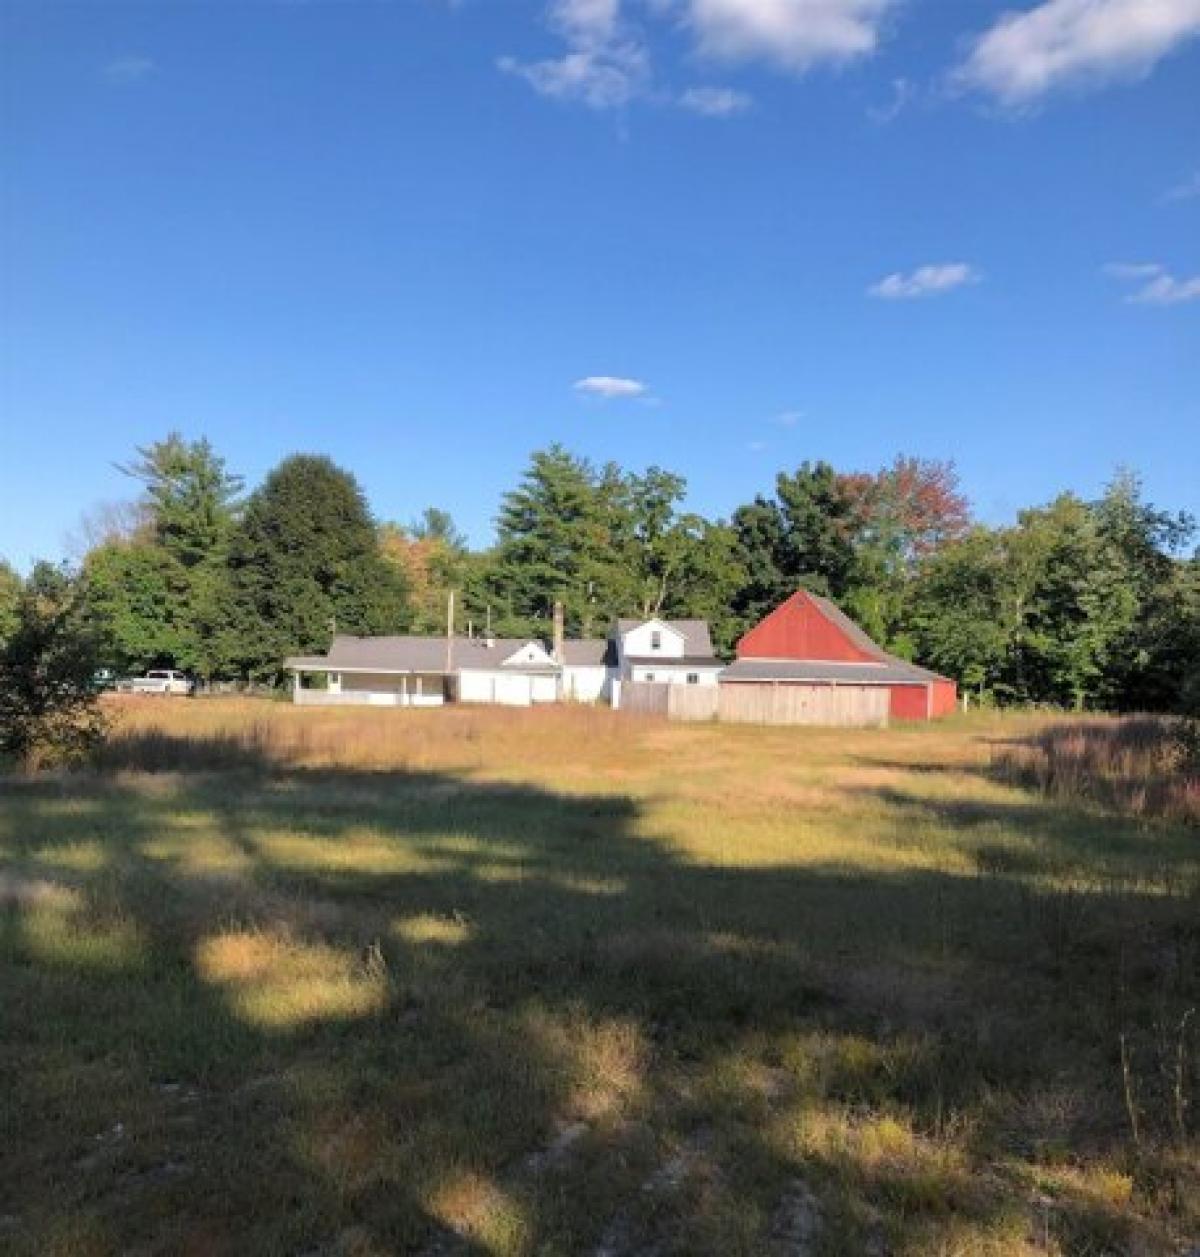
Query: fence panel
[(839, 705), (692, 702), (642, 696)]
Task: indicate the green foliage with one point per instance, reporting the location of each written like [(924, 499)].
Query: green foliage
[(957, 610), (10, 597), (607, 543), (157, 599), (191, 497), (803, 537), (305, 562), (139, 601), (554, 542), (48, 711), (1078, 605), (433, 560), (436, 525)]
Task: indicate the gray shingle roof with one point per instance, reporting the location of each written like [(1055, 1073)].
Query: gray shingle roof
[(696, 640), (416, 654), (888, 671), (856, 634), (675, 661), (588, 651)]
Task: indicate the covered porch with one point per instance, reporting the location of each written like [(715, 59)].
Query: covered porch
[(355, 687)]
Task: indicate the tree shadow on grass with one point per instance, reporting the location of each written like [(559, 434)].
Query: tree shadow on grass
[(275, 1010)]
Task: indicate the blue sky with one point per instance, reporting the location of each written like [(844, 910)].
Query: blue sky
[(719, 235)]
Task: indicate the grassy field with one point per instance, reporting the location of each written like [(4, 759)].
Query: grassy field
[(336, 983)]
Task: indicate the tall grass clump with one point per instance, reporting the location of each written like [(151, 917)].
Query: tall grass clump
[(1143, 766)]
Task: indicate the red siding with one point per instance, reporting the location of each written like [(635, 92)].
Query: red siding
[(919, 702), (909, 702), (945, 698), (797, 630)]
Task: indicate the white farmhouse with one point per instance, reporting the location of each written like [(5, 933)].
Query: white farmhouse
[(665, 652), (517, 672)]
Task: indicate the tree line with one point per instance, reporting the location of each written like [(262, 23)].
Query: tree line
[(1086, 604)]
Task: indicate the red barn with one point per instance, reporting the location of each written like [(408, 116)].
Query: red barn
[(808, 642)]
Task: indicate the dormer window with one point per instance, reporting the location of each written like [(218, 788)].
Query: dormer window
[(656, 640)]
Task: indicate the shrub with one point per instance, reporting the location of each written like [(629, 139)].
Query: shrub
[(48, 700)]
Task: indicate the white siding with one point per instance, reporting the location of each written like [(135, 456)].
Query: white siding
[(674, 673), (586, 683), (510, 689), (640, 641), (529, 654), (545, 689)]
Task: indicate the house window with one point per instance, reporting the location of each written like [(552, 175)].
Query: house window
[(649, 676), (656, 640), (693, 678)]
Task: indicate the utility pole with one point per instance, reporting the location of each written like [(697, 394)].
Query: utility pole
[(450, 634), (558, 643)]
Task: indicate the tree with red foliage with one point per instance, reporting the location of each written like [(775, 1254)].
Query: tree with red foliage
[(910, 508)]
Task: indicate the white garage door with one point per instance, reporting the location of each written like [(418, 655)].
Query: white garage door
[(545, 689), (512, 691)]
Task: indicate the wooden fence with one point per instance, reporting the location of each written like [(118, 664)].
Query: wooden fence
[(843, 705), (839, 705)]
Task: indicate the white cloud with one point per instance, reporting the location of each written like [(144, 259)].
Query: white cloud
[(1185, 191), (127, 70), (609, 386), (788, 418), (586, 21), (601, 81), (715, 102), (756, 447), (793, 34), (1024, 55), (1160, 288), (605, 65), (925, 281)]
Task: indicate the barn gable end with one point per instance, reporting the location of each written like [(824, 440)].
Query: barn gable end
[(801, 628)]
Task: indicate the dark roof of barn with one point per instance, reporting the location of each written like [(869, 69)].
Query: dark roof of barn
[(888, 671)]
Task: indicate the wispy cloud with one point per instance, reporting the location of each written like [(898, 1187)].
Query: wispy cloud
[(903, 92), (1188, 190), (925, 281), (610, 386), (125, 70), (792, 34), (1156, 286), (1024, 55), (756, 447), (606, 64), (715, 102), (1132, 270), (787, 418)]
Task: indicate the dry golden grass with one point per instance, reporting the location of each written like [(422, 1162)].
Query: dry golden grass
[(563, 981), (1147, 766)]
